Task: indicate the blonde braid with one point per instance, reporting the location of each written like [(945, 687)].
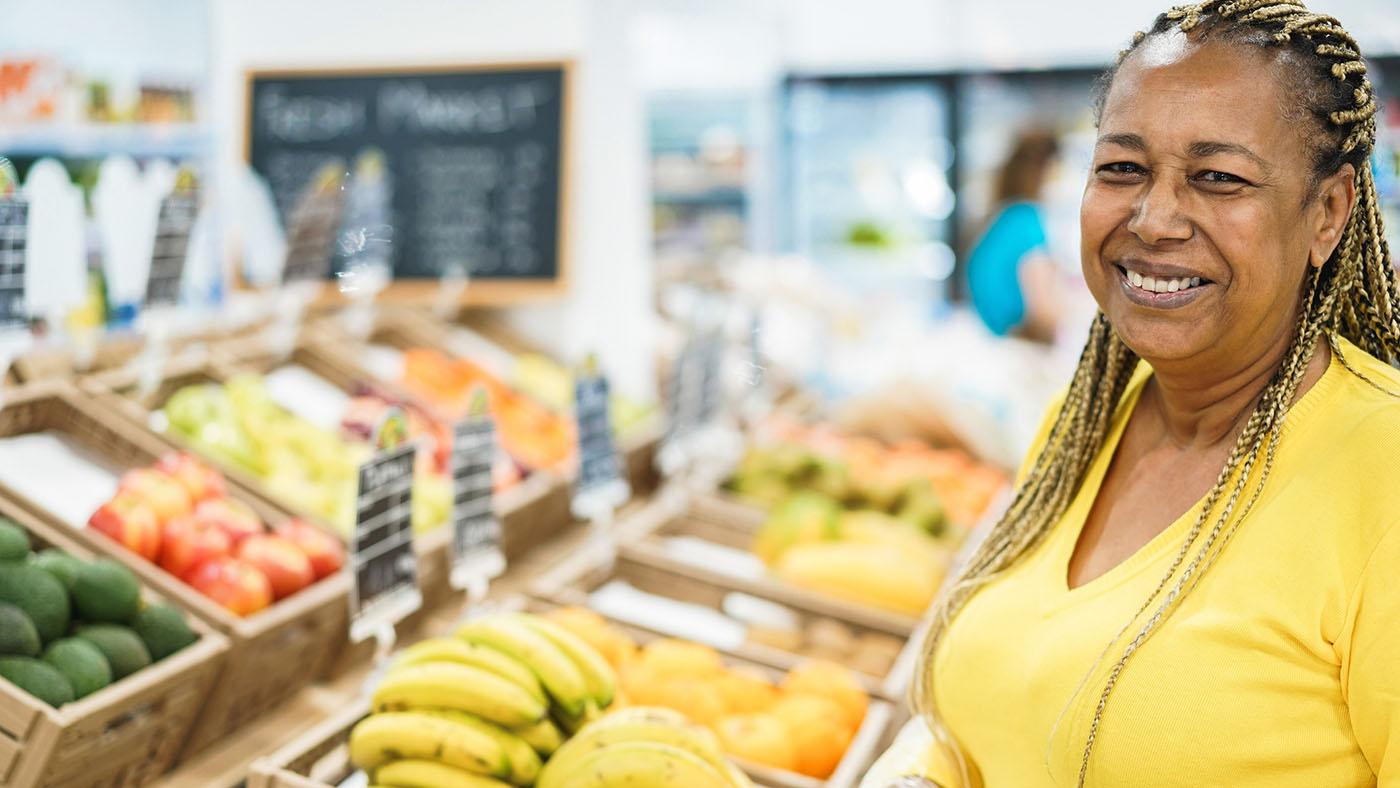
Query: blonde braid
[(1354, 295)]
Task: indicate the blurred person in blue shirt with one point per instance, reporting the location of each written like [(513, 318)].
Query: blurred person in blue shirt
[(1011, 278)]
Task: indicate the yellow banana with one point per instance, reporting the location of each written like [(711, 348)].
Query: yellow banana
[(524, 763), (561, 679), (597, 673), (641, 724), (381, 738), (430, 774), (478, 656), (544, 736), (637, 763), (573, 723), (449, 685)]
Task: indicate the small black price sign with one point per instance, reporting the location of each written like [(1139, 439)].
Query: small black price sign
[(173, 229), (694, 396), (312, 226), (598, 463), (476, 533), (14, 242), (385, 568)]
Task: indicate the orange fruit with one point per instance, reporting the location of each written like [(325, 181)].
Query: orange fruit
[(608, 640), (760, 738), (833, 681), (744, 690), (671, 657), (692, 698), (817, 729)]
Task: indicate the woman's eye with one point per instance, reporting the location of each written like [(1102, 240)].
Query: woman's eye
[(1218, 177), (1121, 169)]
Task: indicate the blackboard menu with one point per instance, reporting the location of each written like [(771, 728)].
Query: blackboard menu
[(468, 160)]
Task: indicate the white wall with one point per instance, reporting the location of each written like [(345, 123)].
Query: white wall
[(607, 307)]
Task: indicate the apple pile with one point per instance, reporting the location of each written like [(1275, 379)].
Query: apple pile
[(178, 514)]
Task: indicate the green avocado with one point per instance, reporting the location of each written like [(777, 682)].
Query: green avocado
[(82, 663), (163, 629), (39, 679), (106, 591), (124, 650), (59, 564), (14, 542), (17, 634), (42, 597)]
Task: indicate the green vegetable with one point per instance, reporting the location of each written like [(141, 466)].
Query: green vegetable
[(82, 663), (163, 629), (106, 591), (39, 679)]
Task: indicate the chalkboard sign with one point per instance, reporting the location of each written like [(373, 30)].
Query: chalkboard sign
[(598, 463), (385, 570), (14, 241), (470, 159), (476, 533)]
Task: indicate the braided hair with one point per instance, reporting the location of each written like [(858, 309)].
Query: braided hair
[(1353, 295)]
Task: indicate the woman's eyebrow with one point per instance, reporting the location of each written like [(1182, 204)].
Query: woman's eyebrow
[(1204, 148), (1125, 140)]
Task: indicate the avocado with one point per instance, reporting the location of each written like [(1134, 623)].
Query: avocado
[(17, 634), (14, 542), (59, 564), (39, 679), (123, 649), (81, 663), (39, 595), (163, 629), (107, 592)]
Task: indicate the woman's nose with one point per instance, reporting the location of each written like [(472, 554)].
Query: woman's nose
[(1157, 215)]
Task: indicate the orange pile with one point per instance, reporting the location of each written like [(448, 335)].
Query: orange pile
[(802, 724)]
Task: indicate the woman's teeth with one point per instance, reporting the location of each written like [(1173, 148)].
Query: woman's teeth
[(1162, 285)]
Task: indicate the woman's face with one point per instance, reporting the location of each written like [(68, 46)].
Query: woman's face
[(1196, 224)]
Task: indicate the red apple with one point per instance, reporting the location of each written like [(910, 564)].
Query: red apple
[(287, 568), (234, 518), (325, 552), (127, 520), (233, 584), (167, 497), (185, 545), (199, 480)]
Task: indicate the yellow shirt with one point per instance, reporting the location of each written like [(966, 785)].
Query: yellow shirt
[(1281, 669)]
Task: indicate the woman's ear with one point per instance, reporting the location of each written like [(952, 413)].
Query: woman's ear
[(1336, 196)]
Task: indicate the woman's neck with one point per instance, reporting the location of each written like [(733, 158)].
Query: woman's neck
[(1204, 405)]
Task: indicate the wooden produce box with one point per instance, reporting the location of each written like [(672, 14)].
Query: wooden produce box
[(122, 736), (319, 758), (272, 653), (402, 329), (817, 630)]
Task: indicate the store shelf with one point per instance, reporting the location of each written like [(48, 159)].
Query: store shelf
[(722, 196), (178, 140)]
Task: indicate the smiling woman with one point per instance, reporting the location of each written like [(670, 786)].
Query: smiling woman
[(1192, 585)]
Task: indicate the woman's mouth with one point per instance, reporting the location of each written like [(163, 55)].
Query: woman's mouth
[(1161, 292)]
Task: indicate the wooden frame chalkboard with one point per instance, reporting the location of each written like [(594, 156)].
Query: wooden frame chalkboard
[(543, 270)]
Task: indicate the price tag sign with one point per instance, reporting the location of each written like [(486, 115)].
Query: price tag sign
[(385, 588), (600, 482), (312, 226), (476, 533), (174, 226), (14, 244), (694, 393)]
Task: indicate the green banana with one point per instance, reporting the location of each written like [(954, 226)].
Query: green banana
[(561, 678), (478, 656), (381, 738), (452, 686), (597, 673)]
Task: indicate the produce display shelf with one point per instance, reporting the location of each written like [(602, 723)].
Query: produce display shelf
[(272, 653), (122, 736)]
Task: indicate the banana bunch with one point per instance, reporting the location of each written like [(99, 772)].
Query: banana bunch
[(641, 746), (483, 708)]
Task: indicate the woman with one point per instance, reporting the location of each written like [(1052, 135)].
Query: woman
[(1196, 582), (1009, 276)]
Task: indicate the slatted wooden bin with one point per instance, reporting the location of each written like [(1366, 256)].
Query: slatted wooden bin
[(319, 758), (402, 329), (122, 736), (817, 626), (272, 653)]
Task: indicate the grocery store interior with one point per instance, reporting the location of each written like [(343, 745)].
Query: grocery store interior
[(483, 392)]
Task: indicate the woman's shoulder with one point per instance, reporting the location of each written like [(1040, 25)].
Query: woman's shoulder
[(1366, 405)]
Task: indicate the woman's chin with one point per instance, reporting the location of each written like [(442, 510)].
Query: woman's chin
[(1163, 339)]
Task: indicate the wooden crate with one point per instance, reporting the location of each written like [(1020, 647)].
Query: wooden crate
[(319, 758), (122, 736), (573, 580), (273, 653)]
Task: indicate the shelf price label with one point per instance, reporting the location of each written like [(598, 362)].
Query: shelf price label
[(694, 395), (476, 532), (312, 226), (14, 244), (600, 481), (385, 587), (174, 226)]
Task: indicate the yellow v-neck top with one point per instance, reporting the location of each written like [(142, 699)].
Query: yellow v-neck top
[(1282, 667)]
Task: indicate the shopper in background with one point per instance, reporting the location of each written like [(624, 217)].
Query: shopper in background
[(1010, 276), (1195, 584)]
